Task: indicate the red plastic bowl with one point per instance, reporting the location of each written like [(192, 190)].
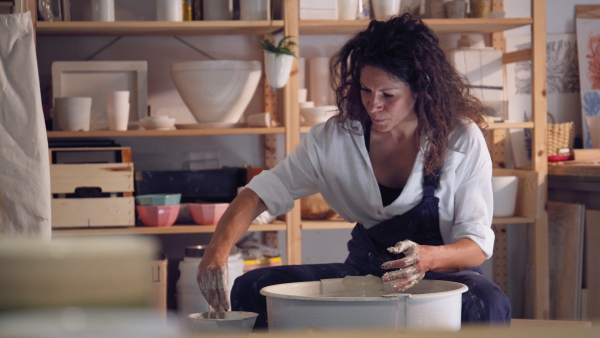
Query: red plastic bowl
[(158, 215), (207, 213)]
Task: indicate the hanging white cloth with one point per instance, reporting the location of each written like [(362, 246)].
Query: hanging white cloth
[(24, 166)]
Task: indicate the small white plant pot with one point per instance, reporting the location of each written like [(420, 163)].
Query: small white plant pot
[(278, 68)]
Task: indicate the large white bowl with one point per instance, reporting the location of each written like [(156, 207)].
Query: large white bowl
[(216, 90)]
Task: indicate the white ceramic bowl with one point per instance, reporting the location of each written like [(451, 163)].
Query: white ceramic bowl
[(232, 322), (157, 122), (216, 90), (315, 115)]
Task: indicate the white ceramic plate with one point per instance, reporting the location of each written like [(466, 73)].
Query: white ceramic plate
[(95, 78), (215, 125)]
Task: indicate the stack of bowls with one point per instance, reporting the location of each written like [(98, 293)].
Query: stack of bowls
[(158, 210)]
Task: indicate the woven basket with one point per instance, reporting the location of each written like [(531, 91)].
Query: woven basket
[(559, 135)]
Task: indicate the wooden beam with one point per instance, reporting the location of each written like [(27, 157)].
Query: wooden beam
[(292, 135), (517, 56), (539, 247)]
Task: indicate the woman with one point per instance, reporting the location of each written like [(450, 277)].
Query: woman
[(405, 159)]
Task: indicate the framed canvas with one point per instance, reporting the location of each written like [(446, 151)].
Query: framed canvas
[(562, 78), (94, 78), (588, 46)]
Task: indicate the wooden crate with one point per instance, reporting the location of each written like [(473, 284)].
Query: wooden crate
[(114, 180)]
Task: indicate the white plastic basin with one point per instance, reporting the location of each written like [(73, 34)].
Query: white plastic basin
[(429, 305), (216, 91)]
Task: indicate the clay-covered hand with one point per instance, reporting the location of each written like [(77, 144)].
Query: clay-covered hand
[(212, 280), (411, 270)]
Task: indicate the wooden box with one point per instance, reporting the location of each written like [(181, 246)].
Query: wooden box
[(92, 187)]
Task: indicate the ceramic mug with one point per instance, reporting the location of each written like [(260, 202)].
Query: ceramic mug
[(347, 9), (72, 113), (217, 9), (169, 10), (384, 9), (437, 9), (103, 10), (117, 109), (481, 8), (255, 9), (456, 9)]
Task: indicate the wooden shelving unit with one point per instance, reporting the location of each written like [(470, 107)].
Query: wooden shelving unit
[(175, 229), (292, 130), (161, 133)]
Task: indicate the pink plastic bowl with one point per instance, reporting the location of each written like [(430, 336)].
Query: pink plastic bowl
[(158, 215), (207, 213)]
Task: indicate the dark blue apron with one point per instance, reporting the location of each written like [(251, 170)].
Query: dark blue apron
[(368, 247)]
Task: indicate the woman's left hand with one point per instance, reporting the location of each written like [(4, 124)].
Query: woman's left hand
[(411, 268)]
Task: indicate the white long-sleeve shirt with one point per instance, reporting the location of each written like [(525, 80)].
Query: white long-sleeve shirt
[(335, 162)]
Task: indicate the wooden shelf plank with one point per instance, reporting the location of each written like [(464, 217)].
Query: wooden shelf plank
[(511, 125), (177, 132), (233, 27), (176, 229), (440, 26)]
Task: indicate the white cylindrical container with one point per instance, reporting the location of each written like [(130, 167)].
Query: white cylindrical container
[(103, 10), (505, 195), (169, 10), (384, 9), (255, 9), (217, 9), (347, 9), (319, 89), (189, 297)]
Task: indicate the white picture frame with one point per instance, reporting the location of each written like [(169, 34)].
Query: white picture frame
[(95, 78)]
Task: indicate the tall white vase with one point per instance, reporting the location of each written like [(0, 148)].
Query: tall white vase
[(278, 68)]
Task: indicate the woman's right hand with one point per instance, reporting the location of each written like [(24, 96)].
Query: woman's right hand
[(212, 280)]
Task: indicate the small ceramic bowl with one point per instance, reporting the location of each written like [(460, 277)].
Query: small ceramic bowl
[(232, 322), (207, 213), (157, 123), (158, 199), (158, 215)]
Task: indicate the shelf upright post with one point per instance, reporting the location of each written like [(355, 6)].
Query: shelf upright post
[(292, 131), (539, 254)]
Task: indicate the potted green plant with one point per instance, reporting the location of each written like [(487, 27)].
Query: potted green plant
[(278, 60)]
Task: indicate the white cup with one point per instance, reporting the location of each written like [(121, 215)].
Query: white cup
[(505, 195), (169, 10), (217, 9), (103, 10), (255, 9), (72, 113), (117, 109), (384, 9), (347, 9)]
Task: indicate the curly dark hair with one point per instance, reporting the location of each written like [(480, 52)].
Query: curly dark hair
[(408, 50)]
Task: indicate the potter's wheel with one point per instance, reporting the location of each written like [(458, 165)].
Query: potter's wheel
[(429, 305)]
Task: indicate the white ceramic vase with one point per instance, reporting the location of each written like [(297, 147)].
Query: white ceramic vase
[(278, 68)]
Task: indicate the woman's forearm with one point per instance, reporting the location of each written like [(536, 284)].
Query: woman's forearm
[(457, 256), (235, 221)]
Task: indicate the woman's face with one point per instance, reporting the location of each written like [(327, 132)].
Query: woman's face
[(389, 101)]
